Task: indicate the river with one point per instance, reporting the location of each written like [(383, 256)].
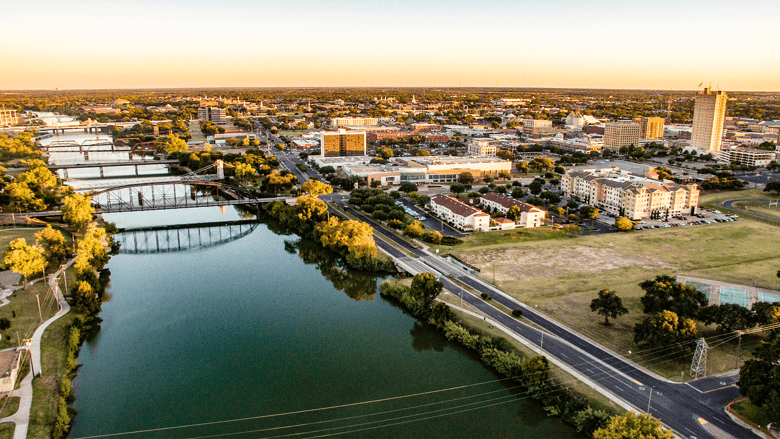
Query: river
[(267, 323)]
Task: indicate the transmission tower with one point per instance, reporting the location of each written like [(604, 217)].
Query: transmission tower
[(699, 363)]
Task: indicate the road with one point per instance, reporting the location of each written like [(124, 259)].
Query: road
[(433, 222), (756, 178), (693, 409), (730, 205)]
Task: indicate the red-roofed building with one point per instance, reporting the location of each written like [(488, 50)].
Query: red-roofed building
[(531, 215), (460, 214)]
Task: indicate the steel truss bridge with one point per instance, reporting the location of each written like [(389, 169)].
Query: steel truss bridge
[(178, 194), (179, 238)]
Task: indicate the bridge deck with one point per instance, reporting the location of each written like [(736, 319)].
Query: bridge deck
[(110, 164)]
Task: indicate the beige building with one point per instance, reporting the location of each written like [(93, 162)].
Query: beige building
[(461, 215), (482, 148), (531, 216), (651, 128), (213, 114), (621, 133), (8, 118), (709, 112), (747, 156), (353, 121), (621, 193), (342, 144), (536, 126)]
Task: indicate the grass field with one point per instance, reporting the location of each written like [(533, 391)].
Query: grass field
[(562, 276), (760, 207), (748, 411)]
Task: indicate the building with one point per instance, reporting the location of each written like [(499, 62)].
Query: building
[(586, 144), (461, 215), (481, 148), (531, 216), (621, 193), (424, 170), (342, 144), (747, 156), (709, 111), (621, 133), (213, 114), (536, 126), (353, 121), (651, 128), (8, 118), (9, 367)]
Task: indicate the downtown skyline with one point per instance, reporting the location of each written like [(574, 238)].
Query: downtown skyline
[(241, 43)]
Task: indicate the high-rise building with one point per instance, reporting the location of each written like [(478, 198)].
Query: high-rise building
[(342, 143), (651, 128), (621, 133), (709, 112), (482, 148), (8, 117), (214, 114)]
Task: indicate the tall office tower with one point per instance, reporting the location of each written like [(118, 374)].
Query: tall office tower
[(621, 133), (342, 144), (651, 127), (709, 111)]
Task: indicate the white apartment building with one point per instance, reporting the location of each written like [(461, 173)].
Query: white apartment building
[(336, 122), (532, 216), (621, 193), (460, 214), (482, 148), (747, 156), (621, 133), (709, 112)]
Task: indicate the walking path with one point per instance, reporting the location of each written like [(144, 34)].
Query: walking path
[(25, 391)]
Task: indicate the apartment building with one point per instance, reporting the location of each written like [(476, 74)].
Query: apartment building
[(651, 128), (621, 193), (621, 133), (747, 156), (342, 143), (337, 122), (709, 112), (532, 216), (482, 148), (462, 215)]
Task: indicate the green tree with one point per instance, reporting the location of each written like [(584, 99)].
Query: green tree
[(457, 188), (665, 293), (316, 188), (24, 259), (408, 187), (759, 378), (523, 167), (434, 237), (426, 287), (631, 426), (504, 175), (623, 224), (53, 243), (384, 152), (541, 163), (664, 329), (608, 304), (589, 420), (518, 192), (465, 178), (514, 213), (535, 187), (728, 316), (77, 210), (773, 186)]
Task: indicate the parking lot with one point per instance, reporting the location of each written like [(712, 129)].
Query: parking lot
[(703, 218)]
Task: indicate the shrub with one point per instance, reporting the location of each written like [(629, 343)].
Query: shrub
[(4, 324), (517, 312)]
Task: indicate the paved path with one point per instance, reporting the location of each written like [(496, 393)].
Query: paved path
[(25, 391), (730, 205)]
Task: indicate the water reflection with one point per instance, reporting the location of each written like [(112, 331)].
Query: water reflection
[(426, 337)]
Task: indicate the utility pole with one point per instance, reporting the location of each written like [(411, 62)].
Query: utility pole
[(39, 307), (29, 349), (650, 399), (739, 345)]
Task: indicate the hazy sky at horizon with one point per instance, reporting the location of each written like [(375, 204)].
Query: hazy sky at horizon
[(243, 43)]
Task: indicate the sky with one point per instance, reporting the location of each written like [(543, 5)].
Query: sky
[(661, 44)]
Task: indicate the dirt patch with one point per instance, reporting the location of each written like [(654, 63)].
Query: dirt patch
[(534, 263)]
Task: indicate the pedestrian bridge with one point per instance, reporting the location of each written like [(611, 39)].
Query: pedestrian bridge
[(180, 238)]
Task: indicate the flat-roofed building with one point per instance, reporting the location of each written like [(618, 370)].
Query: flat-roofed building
[(636, 197), (336, 122), (621, 133), (651, 128), (531, 215), (482, 148), (747, 156), (213, 114), (709, 112), (8, 118), (461, 215), (536, 126), (342, 143)]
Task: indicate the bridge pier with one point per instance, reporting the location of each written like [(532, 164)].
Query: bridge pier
[(102, 172)]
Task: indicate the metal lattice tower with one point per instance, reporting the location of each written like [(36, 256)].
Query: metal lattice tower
[(699, 363)]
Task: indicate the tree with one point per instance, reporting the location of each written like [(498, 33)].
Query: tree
[(414, 229), (316, 188), (24, 259), (631, 426), (623, 224), (535, 187), (589, 420), (433, 237), (465, 178), (773, 186), (728, 316), (759, 378), (664, 329), (53, 243), (77, 210), (608, 304), (664, 293), (408, 187), (426, 287), (487, 178), (541, 163), (523, 167), (504, 175), (457, 188), (244, 170), (384, 152), (514, 213), (518, 192), (174, 144)]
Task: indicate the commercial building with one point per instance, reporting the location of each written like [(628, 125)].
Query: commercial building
[(709, 111), (747, 156), (531, 216), (482, 148), (353, 121), (8, 118), (536, 126), (621, 193), (342, 144), (586, 144), (213, 114), (461, 215), (651, 128), (621, 133), (424, 170)]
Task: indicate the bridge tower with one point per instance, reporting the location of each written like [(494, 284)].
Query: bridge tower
[(220, 169)]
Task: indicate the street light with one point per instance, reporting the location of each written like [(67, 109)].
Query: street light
[(650, 399)]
